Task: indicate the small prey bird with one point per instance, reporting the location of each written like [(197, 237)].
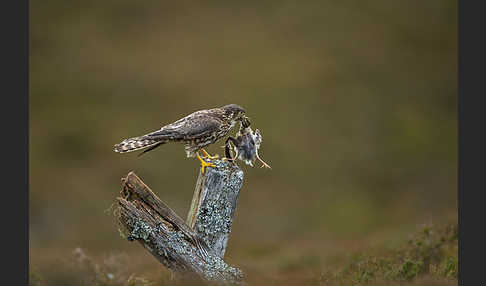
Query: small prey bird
[(246, 145), (196, 131)]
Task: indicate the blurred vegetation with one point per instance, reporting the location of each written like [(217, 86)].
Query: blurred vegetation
[(356, 102), (433, 252), (431, 255)]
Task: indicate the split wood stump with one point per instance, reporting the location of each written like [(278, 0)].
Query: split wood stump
[(192, 248)]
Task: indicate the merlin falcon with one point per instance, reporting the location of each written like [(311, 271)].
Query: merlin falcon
[(196, 131)]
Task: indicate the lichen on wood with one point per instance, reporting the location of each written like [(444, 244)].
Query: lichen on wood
[(214, 204), (143, 217)]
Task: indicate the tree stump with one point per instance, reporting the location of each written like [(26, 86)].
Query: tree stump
[(195, 248)]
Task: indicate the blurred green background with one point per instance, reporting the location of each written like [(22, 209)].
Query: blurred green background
[(356, 102)]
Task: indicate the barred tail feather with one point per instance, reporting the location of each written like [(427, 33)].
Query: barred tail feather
[(135, 143)]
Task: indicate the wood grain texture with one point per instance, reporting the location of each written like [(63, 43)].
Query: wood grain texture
[(214, 203), (143, 217)]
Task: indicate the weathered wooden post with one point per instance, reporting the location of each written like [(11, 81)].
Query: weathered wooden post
[(193, 248), (214, 203)]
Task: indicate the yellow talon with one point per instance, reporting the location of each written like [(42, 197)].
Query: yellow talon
[(209, 156), (204, 164)]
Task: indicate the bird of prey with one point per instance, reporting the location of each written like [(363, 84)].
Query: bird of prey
[(246, 144), (196, 131)]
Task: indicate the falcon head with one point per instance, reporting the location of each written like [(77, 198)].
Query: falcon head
[(234, 111)]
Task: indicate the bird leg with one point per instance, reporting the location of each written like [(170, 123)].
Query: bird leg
[(204, 164), (227, 150), (264, 164), (207, 155)]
